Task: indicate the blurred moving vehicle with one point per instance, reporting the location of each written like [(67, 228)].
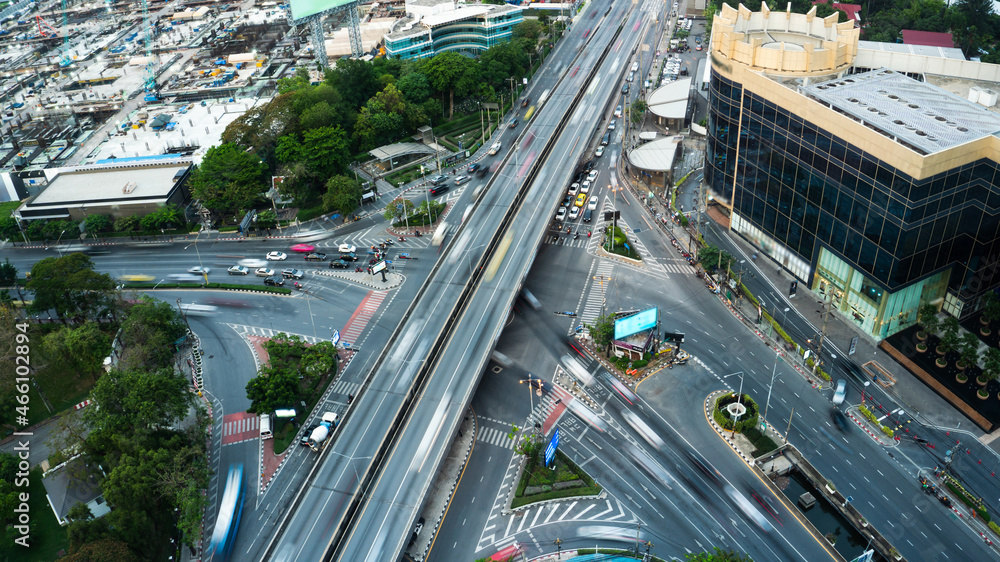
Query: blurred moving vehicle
[(495, 148), (840, 393), (303, 248), (277, 256), (643, 429), (347, 249), (185, 278), (252, 262), (315, 256), (238, 270), (198, 270), (137, 278), (576, 369), (748, 509)]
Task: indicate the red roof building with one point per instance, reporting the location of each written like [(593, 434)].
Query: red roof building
[(853, 11), (928, 38)]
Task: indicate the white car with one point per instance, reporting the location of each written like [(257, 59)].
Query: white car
[(198, 270), (599, 152), (265, 272), (462, 179), (561, 214), (574, 213), (840, 393), (585, 188), (238, 270), (277, 256), (618, 111), (574, 189), (347, 249), (611, 125), (593, 175), (252, 262), (495, 148), (592, 203)]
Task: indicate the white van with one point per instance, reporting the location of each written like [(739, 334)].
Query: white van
[(265, 427), (635, 66)]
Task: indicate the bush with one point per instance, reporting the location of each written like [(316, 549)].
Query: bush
[(994, 527), (762, 443), (747, 421)]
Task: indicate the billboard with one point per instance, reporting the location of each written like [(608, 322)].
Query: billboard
[(302, 9), (634, 324), (550, 451)]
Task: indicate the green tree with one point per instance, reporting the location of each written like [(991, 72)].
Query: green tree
[(415, 87), (712, 258), (927, 315), (69, 285), (991, 364), (343, 195), (355, 80), (127, 224), (9, 229), (104, 549), (8, 370), (991, 306), (82, 348), (229, 179), (8, 501), (969, 349), (452, 73), (718, 555), (260, 127), (397, 209), (138, 400), (267, 219), (98, 223), (272, 388), (602, 331), (148, 334), (502, 61), (636, 110), (950, 339), (528, 29), (327, 151), (8, 272)]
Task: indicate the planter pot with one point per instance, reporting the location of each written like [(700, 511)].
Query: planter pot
[(982, 395), (921, 335), (960, 366), (941, 363), (981, 382), (939, 350), (961, 378), (985, 331), (921, 347), (984, 321), (830, 490)]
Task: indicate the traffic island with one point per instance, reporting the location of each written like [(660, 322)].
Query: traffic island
[(563, 479), (617, 243)]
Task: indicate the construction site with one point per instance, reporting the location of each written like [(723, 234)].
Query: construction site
[(87, 82)]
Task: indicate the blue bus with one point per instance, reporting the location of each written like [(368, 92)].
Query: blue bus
[(227, 523)]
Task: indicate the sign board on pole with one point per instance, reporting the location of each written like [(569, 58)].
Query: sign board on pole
[(636, 323), (302, 9), (336, 337), (550, 451), (380, 266)]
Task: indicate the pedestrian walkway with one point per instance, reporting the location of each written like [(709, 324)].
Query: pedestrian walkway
[(594, 305), (497, 437), (551, 408), (356, 325), (346, 388), (240, 427)]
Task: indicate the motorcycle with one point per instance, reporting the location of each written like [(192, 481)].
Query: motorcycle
[(589, 233), (298, 285), (350, 398), (567, 230), (359, 269), (389, 241), (576, 235), (417, 234), (406, 257), (401, 238)]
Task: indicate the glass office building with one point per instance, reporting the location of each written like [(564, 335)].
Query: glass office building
[(469, 29), (877, 190)]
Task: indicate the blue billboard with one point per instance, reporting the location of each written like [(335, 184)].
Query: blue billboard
[(550, 451), (636, 323)]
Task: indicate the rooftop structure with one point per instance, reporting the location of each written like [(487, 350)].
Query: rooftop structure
[(928, 38), (433, 27)]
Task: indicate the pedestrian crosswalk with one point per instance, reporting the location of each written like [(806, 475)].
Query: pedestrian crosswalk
[(552, 406), (681, 267), (345, 387), (563, 239), (269, 333), (595, 298), (239, 427), (494, 436), (359, 320)]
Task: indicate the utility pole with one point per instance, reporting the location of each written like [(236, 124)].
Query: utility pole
[(637, 527), (822, 334), (512, 80), (558, 542), (789, 428)]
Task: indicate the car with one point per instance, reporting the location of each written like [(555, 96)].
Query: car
[(574, 213), (574, 188), (264, 272), (482, 172), (461, 179), (525, 102), (274, 281), (238, 270), (592, 203), (347, 249), (618, 111), (199, 270), (698, 48), (561, 214), (568, 200), (316, 256), (137, 278), (599, 152), (252, 262), (277, 256), (592, 176), (625, 89), (612, 124), (416, 530), (438, 179), (303, 248), (495, 148), (348, 257), (304, 441), (472, 168), (513, 123), (585, 187), (292, 273), (588, 215), (839, 420), (184, 278), (438, 189), (339, 264), (581, 200), (841, 392)]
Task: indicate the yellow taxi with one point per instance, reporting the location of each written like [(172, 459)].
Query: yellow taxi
[(137, 278), (581, 200)]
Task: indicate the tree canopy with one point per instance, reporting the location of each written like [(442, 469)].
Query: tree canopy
[(69, 285), (229, 179)]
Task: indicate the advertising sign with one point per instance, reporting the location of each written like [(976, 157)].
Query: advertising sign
[(336, 337), (550, 451), (302, 9), (636, 323), (380, 266)]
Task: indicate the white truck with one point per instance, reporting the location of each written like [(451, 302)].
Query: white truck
[(319, 436)]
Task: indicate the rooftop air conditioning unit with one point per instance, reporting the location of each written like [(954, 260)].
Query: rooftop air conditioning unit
[(987, 98), (974, 94)]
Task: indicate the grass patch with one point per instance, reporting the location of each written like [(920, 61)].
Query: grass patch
[(618, 243), (548, 479), (762, 443), (284, 436), (47, 537)]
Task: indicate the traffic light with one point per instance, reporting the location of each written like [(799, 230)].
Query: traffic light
[(792, 288)]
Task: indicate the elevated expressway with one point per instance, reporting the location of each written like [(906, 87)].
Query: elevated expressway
[(364, 495)]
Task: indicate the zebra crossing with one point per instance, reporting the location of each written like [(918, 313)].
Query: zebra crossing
[(497, 437), (346, 388), (365, 240), (595, 298), (356, 325), (269, 333), (239, 427), (678, 266)]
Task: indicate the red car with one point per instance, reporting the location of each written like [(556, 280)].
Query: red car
[(303, 248)]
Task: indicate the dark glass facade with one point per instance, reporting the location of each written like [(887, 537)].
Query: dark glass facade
[(808, 189)]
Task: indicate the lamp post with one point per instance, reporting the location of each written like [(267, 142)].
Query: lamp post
[(739, 396), (532, 389), (774, 372)]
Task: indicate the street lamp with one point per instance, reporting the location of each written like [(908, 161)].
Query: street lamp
[(774, 371)]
